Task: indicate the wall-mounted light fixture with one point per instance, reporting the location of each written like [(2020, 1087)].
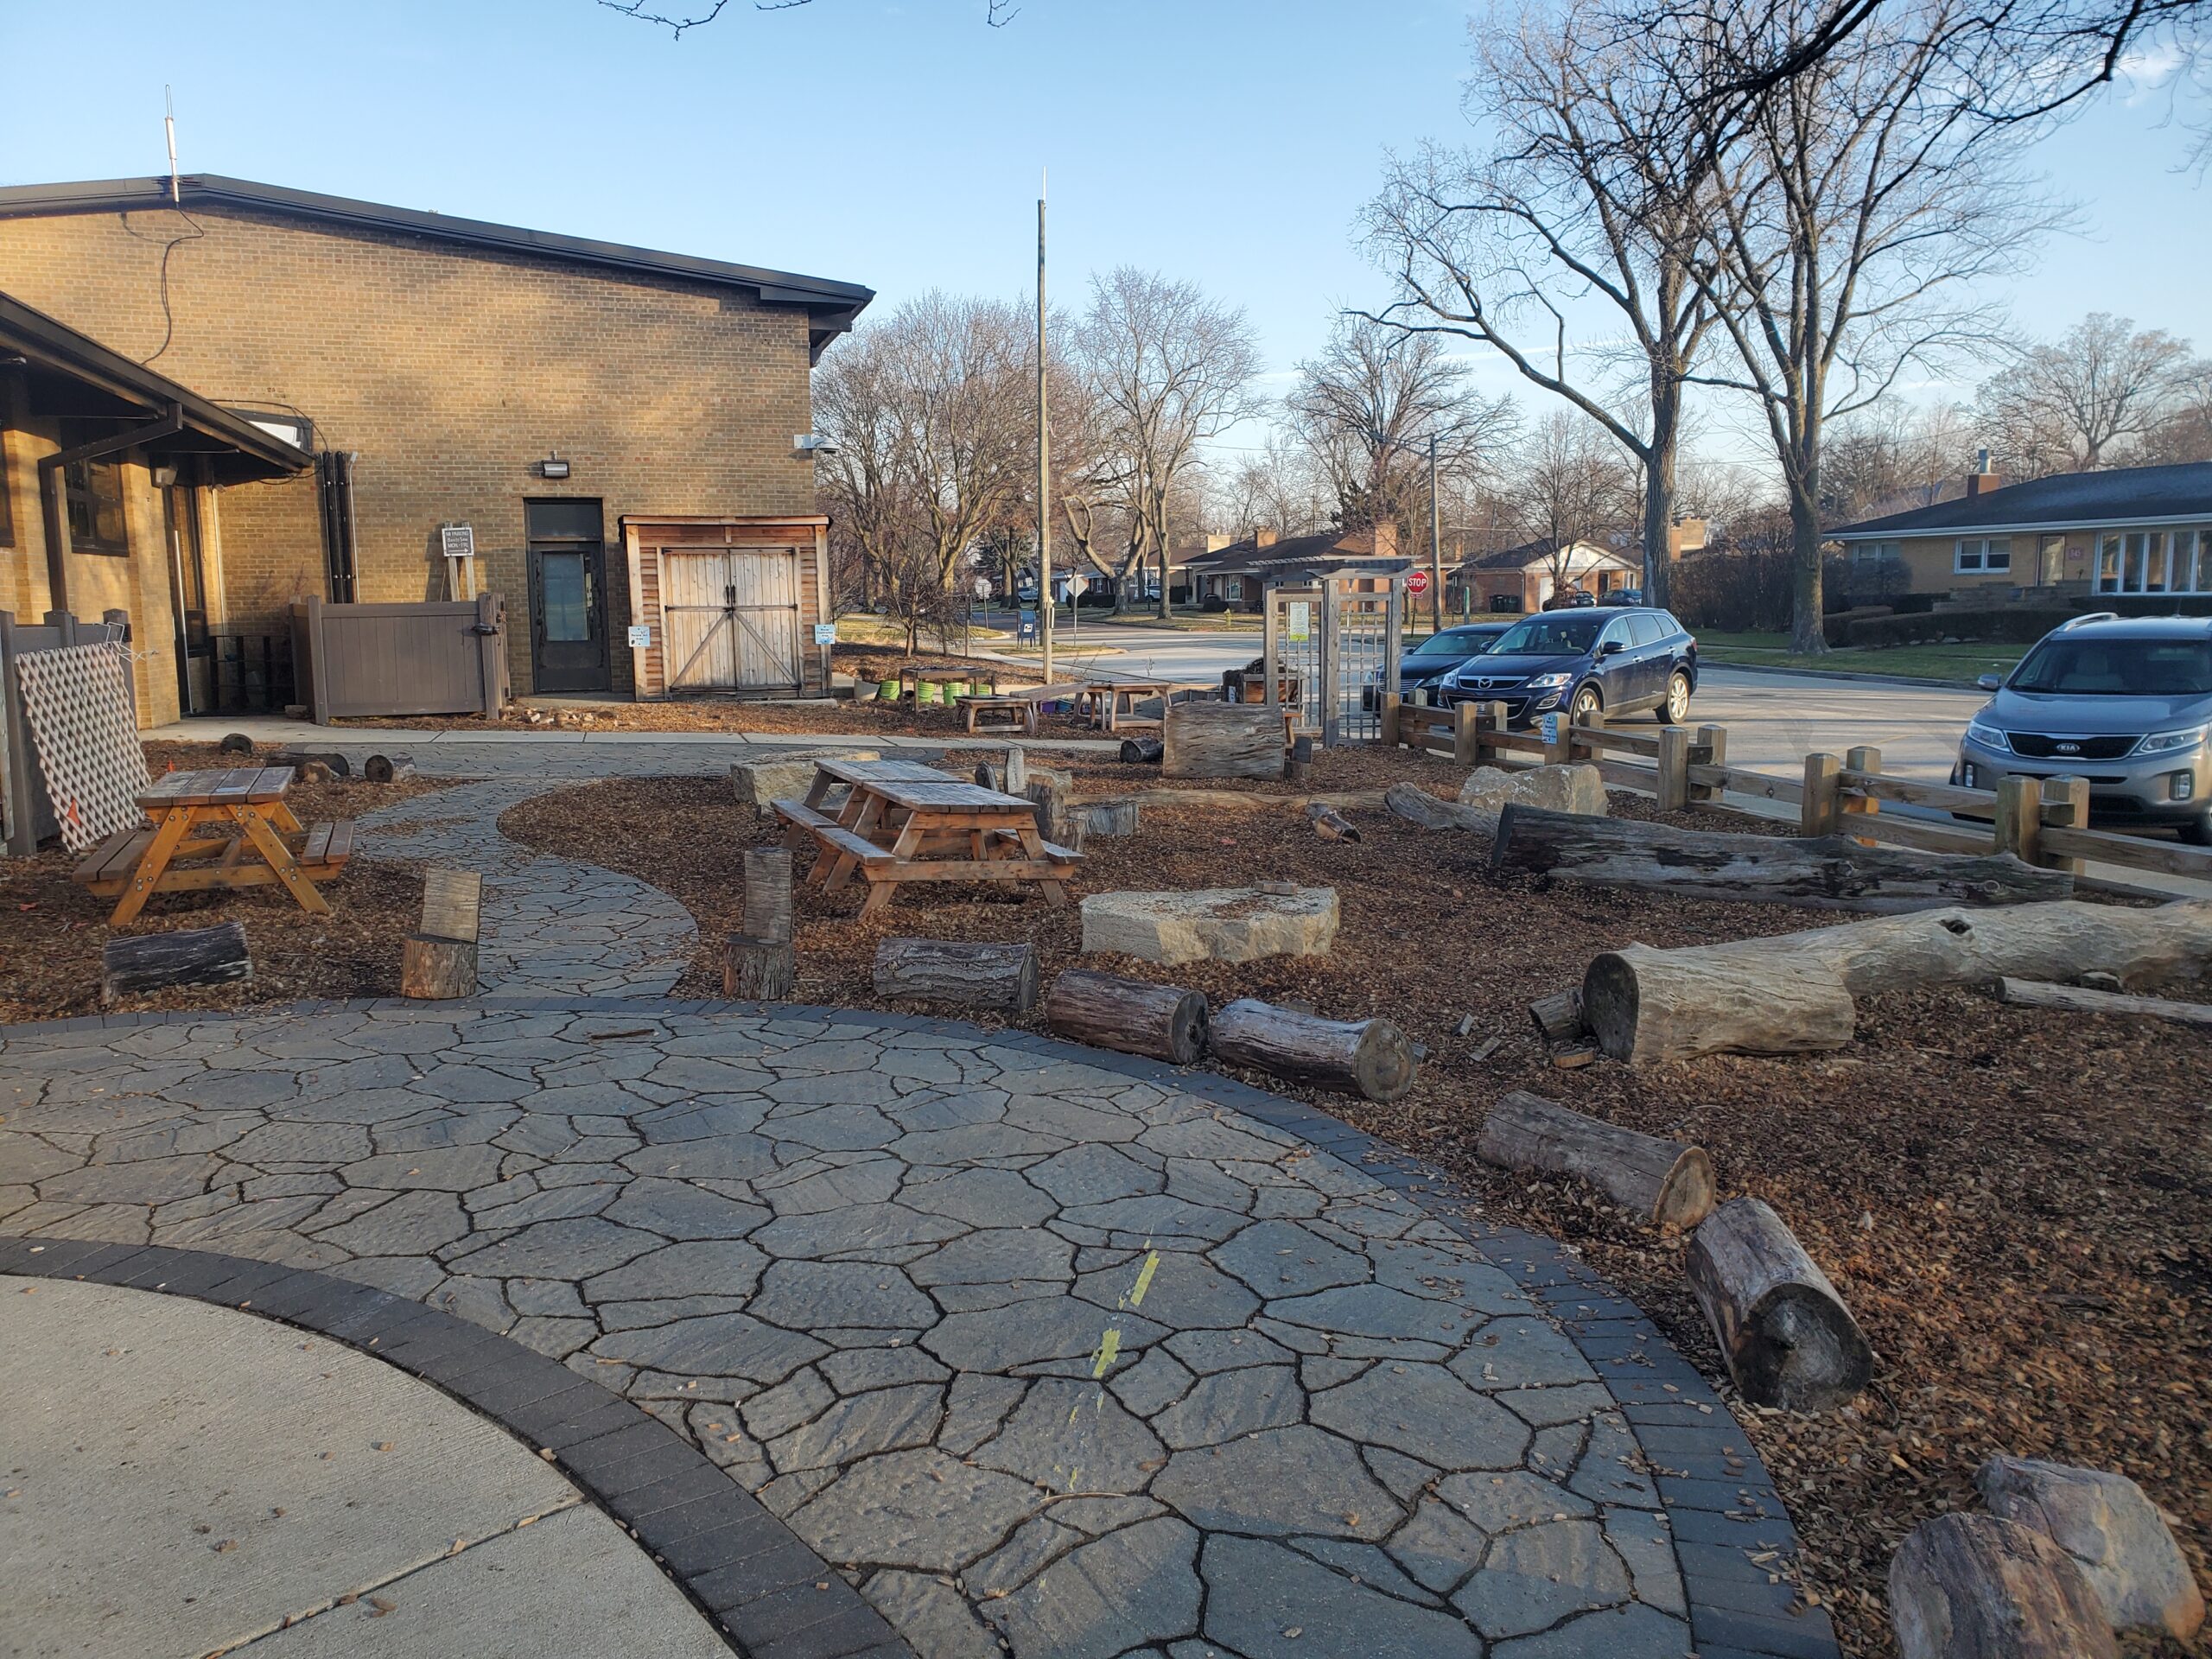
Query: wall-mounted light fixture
[(811, 446), (553, 467)]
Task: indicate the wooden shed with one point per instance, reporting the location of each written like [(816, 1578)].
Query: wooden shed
[(728, 606)]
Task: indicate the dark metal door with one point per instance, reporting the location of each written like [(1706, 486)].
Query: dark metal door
[(567, 597)]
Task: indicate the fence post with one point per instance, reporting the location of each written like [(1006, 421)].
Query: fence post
[(1390, 701), (1867, 758), (1466, 734), (2065, 806), (491, 640), (1823, 791), (1576, 748), (1673, 769), (1561, 749), (1711, 749), (2019, 815)]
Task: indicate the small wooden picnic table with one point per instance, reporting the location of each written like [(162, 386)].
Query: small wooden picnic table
[(1112, 703), (895, 826), (911, 680), (268, 844)]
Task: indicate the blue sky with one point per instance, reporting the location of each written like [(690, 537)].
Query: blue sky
[(1226, 140)]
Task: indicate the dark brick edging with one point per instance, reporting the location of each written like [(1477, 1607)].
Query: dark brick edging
[(1721, 1503), (749, 1574)]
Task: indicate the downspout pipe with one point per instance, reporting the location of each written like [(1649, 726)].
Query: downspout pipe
[(49, 492)]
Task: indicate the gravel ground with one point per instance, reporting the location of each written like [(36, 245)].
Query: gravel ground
[(2018, 1205)]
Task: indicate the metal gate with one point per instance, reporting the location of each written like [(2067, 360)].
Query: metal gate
[(731, 619), (1336, 650)]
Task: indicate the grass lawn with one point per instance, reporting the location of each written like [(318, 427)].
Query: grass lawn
[(1963, 663)]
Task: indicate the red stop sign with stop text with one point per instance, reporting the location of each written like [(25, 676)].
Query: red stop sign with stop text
[(1416, 583)]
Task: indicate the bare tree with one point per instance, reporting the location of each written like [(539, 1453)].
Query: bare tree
[(997, 13), (1575, 487), (2186, 433), (2084, 400), (1845, 213), (1169, 368), (1590, 191), (1279, 488), (1891, 456)]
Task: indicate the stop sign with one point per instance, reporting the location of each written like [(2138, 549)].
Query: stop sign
[(1416, 583)]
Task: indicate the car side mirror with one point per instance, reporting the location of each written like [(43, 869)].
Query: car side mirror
[(1610, 648), (1991, 683)]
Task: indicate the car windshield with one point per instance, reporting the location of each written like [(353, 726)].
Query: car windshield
[(2116, 666), (1549, 636), (1453, 642)]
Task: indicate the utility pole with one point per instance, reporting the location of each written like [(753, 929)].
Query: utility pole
[(1044, 463), (1435, 547)]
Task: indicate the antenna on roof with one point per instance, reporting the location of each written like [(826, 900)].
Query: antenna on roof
[(168, 125)]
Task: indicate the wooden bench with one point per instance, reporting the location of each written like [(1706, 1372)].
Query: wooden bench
[(323, 851), (328, 846), (1020, 713), (842, 852), (800, 822)]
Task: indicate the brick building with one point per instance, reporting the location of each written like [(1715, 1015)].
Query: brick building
[(538, 389)]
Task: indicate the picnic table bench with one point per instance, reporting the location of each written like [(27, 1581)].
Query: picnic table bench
[(1019, 710), (266, 844), (894, 827)]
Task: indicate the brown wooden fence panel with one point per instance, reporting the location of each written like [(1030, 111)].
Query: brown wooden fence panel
[(437, 658)]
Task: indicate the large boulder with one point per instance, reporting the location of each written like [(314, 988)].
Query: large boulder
[(1212, 925), (1561, 788), (784, 774), (2113, 1531)]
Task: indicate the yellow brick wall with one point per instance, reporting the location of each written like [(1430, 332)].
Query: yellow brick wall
[(450, 371)]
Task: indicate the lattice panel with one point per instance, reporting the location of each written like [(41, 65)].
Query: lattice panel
[(84, 720)]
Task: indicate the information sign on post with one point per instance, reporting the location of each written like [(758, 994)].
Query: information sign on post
[(1298, 626), (825, 633), (1550, 727)]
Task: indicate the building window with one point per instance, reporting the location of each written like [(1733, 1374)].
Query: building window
[(2155, 561), (1977, 555), (1868, 554), (93, 491)]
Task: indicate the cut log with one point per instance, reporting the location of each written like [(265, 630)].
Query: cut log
[(1791, 993), (2080, 999), (1300, 761), (453, 904), (1220, 739), (338, 764), (1826, 872), (758, 971), (1425, 811), (1369, 1057), (1060, 820), (1109, 819), (1559, 1017), (1252, 800), (1788, 1338), (159, 962), (1974, 1586), (956, 970), (236, 743), (1668, 1183), (1141, 750), (1163, 1022), (435, 969), (1331, 824), (767, 913), (388, 768), (1015, 773)]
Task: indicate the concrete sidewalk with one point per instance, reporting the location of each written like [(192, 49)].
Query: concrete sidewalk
[(188, 1480)]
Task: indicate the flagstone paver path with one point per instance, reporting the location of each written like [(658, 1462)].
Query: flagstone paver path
[(1050, 1352)]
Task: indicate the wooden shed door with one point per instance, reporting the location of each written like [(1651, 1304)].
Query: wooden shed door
[(731, 616)]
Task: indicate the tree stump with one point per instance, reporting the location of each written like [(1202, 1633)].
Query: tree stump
[(1665, 1182), (1220, 739), (1163, 1022), (1369, 1057), (1109, 819), (1786, 1335), (1141, 750), (1645, 1006), (957, 970), (758, 971), (1558, 1017), (767, 913), (156, 961), (1016, 771), (388, 768), (1973, 1587), (1059, 819), (435, 969)]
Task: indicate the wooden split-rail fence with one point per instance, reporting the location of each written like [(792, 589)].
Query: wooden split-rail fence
[(2044, 821)]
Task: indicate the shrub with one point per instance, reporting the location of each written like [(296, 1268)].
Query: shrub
[(1214, 602), (2020, 625), (1733, 593), (1836, 625)]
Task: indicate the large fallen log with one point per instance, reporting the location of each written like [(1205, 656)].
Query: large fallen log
[(2080, 999), (1820, 872), (1370, 1058), (1163, 1022), (1666, 1182), (1220, 739), (1973, 1587), (1252, 800), (158, 961), (1792, 992), (1788, 1338), (958, 970), (1426, 811)]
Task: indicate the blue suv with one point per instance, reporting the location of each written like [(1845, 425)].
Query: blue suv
[(1608, 660)]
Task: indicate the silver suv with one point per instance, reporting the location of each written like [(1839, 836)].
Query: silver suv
[(2126, 704)]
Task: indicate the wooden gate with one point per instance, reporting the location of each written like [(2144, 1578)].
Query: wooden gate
[(732, 618)]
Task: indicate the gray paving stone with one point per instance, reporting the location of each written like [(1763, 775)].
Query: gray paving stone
[(444, 1169), (1536, 1577), (721, 1267), (1073, 1436), (860, 1230), (1426, 1412), (1132, 1588), (1284, 1480), (1268, 1601), (1153, 1383), (1028, 1333), (723, 1157), (568, 1250), (1630, 1632), (981, 1197), (1229, 1404), (403, 1224), (918, 1508), (150, 1180), (1280, 1258), (1185, 1292), (933, 1616), (999, 1257), (1522, 1353), (683, 1210), (1438, 1546), (857, 1370), (715, 1344), (801, 1295), (1207, 1351), (1500, 1502), (1377, 1310)]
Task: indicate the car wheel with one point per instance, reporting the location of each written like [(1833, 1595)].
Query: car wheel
[(1587, 701), (1675, 707)]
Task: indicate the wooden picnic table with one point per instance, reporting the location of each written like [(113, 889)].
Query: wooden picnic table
[(1019, 710), (911, 680), (895, 827), (1112, 703), (265, 844)]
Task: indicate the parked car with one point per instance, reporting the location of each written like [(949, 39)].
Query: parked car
[(1573, 599), (1608, 660), (2124, 704), (1419, 669), (1625, 596)]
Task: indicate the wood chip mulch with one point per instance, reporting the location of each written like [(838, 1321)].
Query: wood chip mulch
[(2017, 1203), (51, 929)]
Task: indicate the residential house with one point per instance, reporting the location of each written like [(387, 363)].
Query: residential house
[(1238, 573), (116, 487), (2134, 537), (1525, 577), (549, 395)]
